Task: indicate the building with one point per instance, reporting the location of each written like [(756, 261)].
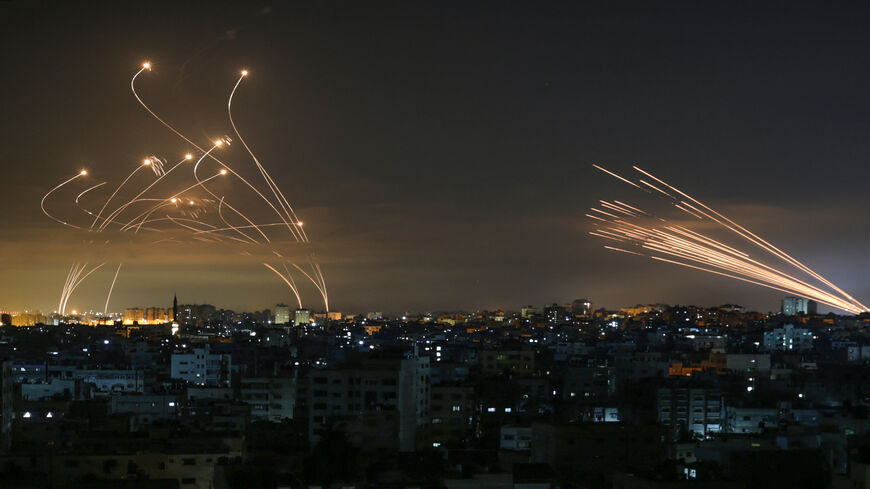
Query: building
[(788, 338), (381, 402), (156, 315), (282, 314), (582, 307), (271, 398), (530, 311), (134, 315), (750, 420), (452, 411), (195, 314), (798, 305), (497, 362), (748, 364), (515, 438), (7, 383), (696, 412), (301, 317), (201, 367)]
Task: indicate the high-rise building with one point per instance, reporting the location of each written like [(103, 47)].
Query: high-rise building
[(195, 314), (134, 315), (530, 311), (282, 314), (156, 315), (582, 307), (302, 317), (798, 305), (555, 313)]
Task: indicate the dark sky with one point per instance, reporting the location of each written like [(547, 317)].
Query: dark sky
[(440, 153)]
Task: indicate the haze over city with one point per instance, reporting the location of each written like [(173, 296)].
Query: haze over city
[(442, 155)]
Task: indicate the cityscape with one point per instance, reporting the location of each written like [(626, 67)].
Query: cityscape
[(558, 395), (434, 245)]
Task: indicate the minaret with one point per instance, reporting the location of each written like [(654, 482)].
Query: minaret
[(175, 308)]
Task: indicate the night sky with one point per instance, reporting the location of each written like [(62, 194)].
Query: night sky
[(440, 153)]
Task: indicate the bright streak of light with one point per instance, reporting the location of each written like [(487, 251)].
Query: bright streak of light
[(118, 207), (692, 249)]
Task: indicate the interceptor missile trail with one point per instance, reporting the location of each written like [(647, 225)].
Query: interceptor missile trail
[(100, 213), (195, 211), (287, 280), (111, 287), (42, 202)]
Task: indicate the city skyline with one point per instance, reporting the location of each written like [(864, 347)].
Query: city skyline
[(418, 205)]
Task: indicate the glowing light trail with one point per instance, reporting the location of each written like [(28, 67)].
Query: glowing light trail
[(692, 249)]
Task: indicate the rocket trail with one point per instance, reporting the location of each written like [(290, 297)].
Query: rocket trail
[(692, 249), (111, 288)]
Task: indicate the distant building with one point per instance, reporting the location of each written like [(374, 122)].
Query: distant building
[(497, 362), (201, 367), (156, 315), (282, 314), (195, 314), (301, 317), (582, 307), (788, 338), (749, 364), (530, 311), (27, 319), (798, 305), (641, 309), (556, 313), (134, 315)]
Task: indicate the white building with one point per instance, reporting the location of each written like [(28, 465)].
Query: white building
[(788, 338), (798, 305), (201, 367), (302, 317), (282, 314)]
